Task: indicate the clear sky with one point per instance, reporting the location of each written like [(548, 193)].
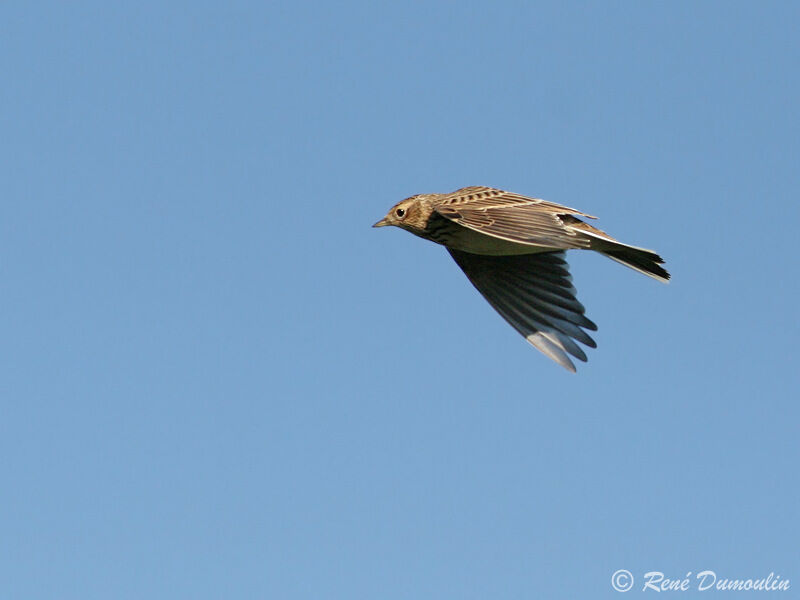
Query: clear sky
[(217, 381)]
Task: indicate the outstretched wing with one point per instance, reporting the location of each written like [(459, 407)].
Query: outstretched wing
[(534, 293), (512, 217)]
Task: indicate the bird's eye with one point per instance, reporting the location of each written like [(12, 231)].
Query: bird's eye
[(400, 212)]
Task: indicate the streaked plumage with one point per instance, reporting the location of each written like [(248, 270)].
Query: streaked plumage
[(512, 249)]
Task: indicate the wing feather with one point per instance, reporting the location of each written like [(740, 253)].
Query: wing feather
[(535, 295), (512, 217)]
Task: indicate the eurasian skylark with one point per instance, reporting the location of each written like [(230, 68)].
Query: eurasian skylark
[(512, 249)]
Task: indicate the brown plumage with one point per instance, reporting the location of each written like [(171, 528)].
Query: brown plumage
[(512, 249)]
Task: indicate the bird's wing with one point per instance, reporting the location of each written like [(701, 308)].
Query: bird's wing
[(534, 293), (513, 217)]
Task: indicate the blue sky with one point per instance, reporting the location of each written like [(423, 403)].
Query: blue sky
[(218, 381)]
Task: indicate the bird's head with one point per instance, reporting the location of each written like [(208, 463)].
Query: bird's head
[(411, 214)]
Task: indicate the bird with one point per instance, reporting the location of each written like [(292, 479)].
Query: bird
[(512, 248)]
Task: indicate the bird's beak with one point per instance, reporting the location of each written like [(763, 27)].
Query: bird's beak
[(382, 223)]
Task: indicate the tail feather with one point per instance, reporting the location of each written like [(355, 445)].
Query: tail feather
[(639, 259)]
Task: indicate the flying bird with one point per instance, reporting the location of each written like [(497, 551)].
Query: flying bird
[(512, 248)]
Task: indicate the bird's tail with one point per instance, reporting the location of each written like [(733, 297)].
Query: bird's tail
[(639, 259)]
